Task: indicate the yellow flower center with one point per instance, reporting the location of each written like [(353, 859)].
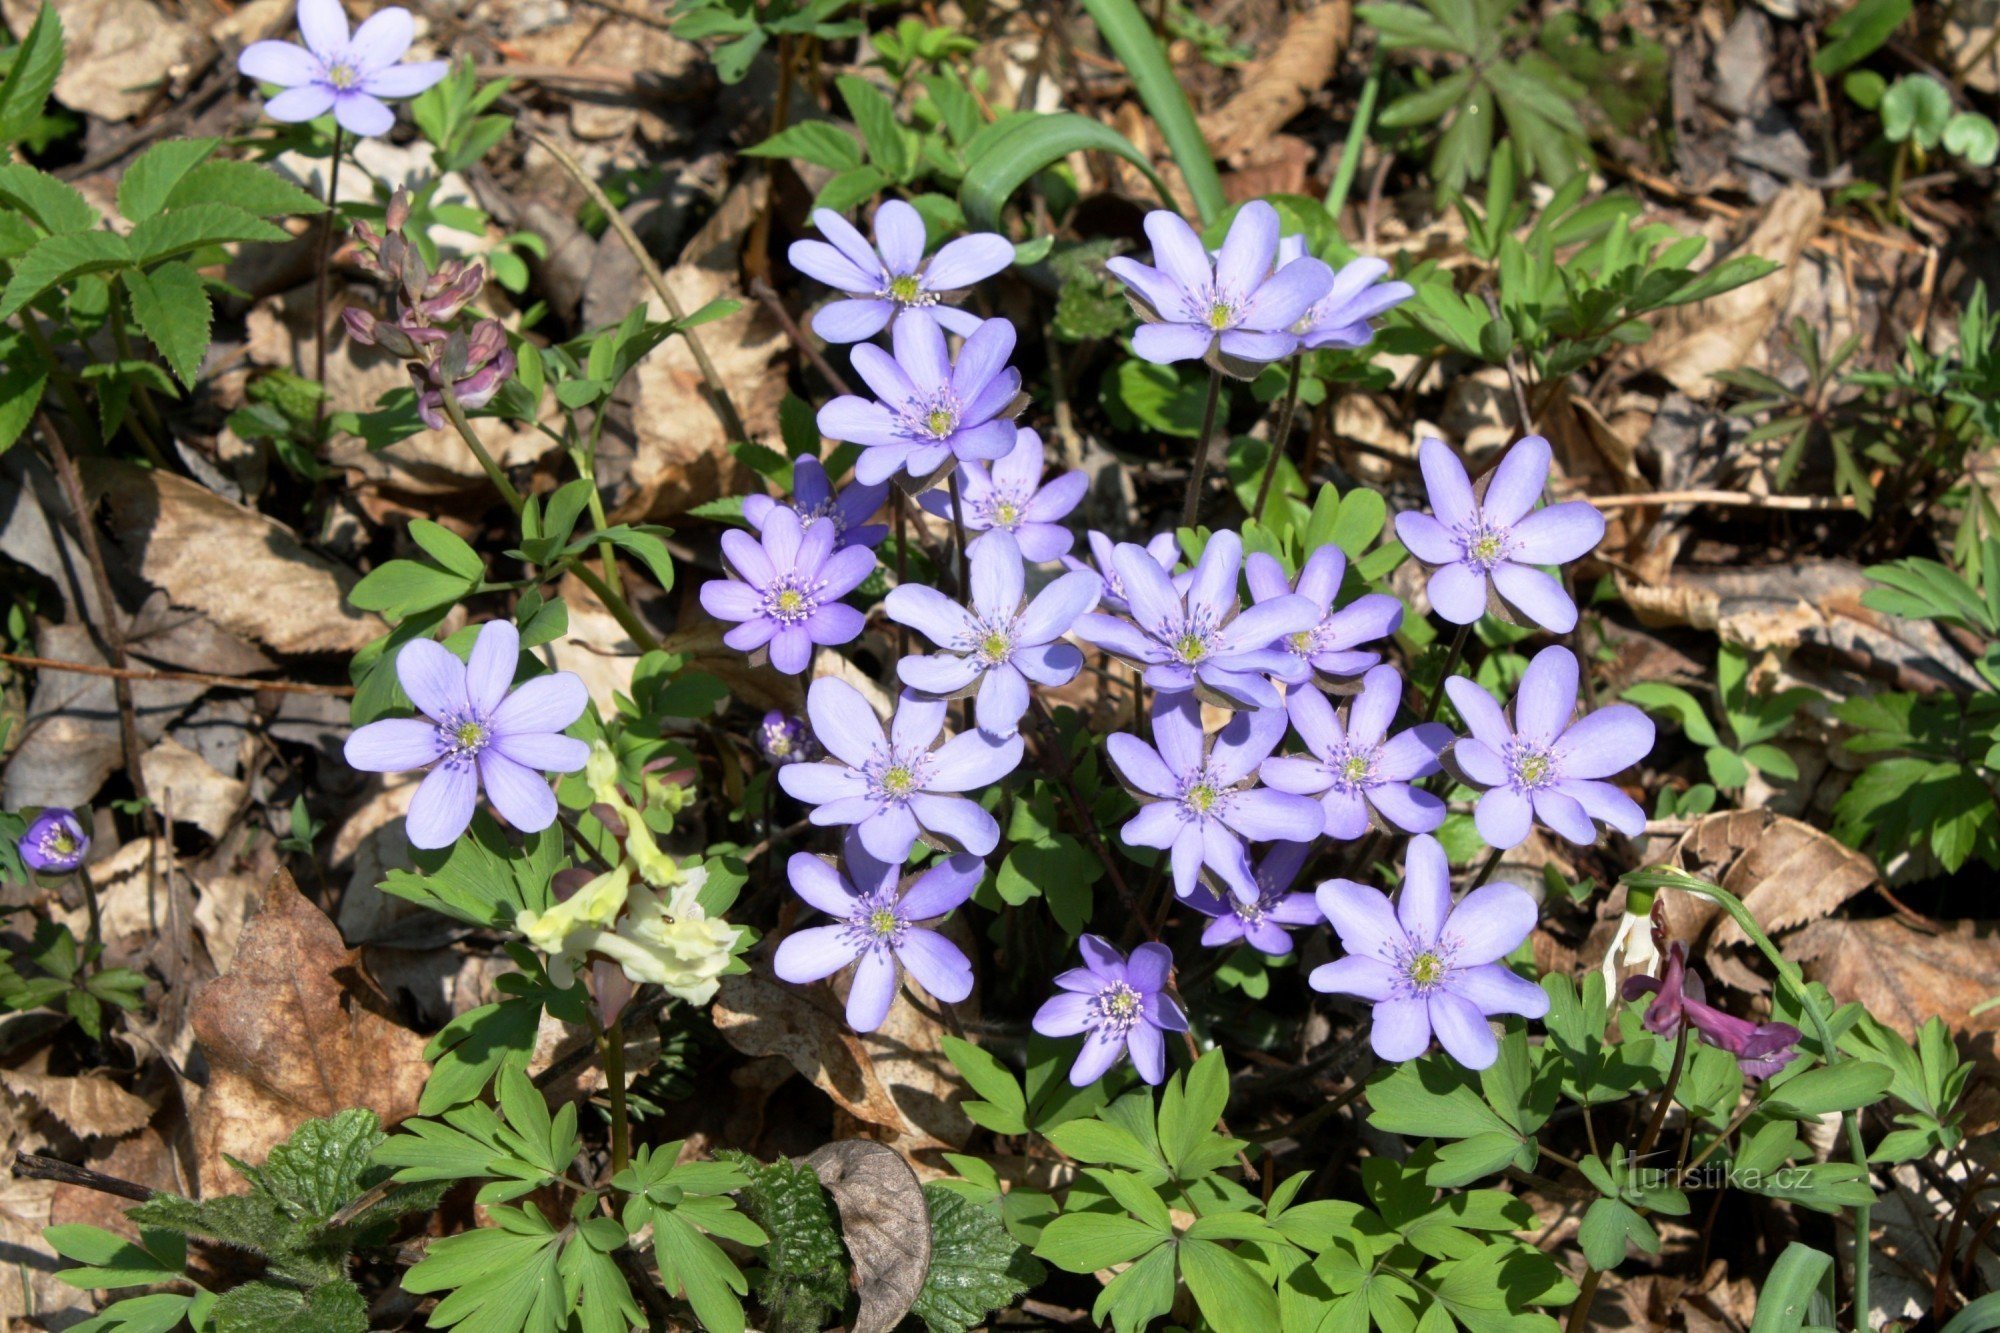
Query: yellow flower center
[(1191, 648), (1427, 969), (791, 601), (1533, 769), (1121, 1003), (341, 75), (61, 843), (1302, 641), (1355, 769), (1220, 316), (882, 922), (898, 781), (1201, 798), (1486, 548), (939, 422), (994, 646), (469, 735), (1005, 514), (904, 289)]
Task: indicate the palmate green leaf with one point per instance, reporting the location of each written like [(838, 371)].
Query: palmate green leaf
[(694, 1264), (1086, 1242), (1190, 1110), (876, 115), (813, 141), (181, 230), (37, 62), (1232, 1297), (172, 309), (1847, 1086), (976, 1267), (143, 189), (403, 588), (1005, 1108), (471, 1049), (1608, 1225), (1140, 1294), (502, 1279), (59, 259)]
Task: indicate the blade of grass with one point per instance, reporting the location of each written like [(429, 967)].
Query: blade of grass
[(1131, 39)]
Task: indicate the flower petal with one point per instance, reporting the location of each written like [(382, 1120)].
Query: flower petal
[(1165, 344), (323, 25), (821, 886), (972, 761), (1490, 922), (284, 63), (1604, 802), (1605, 742), (1503, 817), (980, 360), (1494, 988), (1369, 716), (1065, 1015), (958, 821), (392, 745), (1445, 482), (930, 613), (1362, 917), (433, 677), (522, 797), (1358, 975), (1148, 589), (969, 259), (1458, 593), (382, 38), (1284, 298), (409, 80), (1535, 597), (899, 235), (546, 703), (1178, 251), (1101, 1051), (1140, 765), (849, 321), (1481, 713), (1002, 701), (308, 101), (937, 964), (1429, 540), (887, 376), (443, 806), (998, 579), (942, 888), (1249, 249), (1546, 697), (1148, 1050), (808, 955), (1463, 1031), (940, 674), (1148, 968), (1557, 535), (1515, 485), (490, 670), (543, 752), (1424, 903), (1401, 1030), (359, 113), (920, 351), (1057, 607), (850, 242), (821, 783), (872, 991)]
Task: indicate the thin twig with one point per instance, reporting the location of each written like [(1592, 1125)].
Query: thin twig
[(179, 677), (34, 1166), (1732, 499)]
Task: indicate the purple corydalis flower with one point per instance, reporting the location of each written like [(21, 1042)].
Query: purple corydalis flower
[(476, 730), (933, 409), (476, 367), (1429, 966), (1194, 639), (1330, 647), (813, 497), (785, 739), (347, 74), (1012, 499), (997, 644), (1360, 774), (1265, 923), (1201, 802), (1484, 543), (1341, 317), (893, 788), (1761, 1049), (1234, 310), (890, 278), (1542, 766), (1123, 1006), (785, 596), (877, 929), (55, 843), (1166, 553)]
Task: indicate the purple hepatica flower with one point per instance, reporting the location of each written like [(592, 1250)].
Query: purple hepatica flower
[(1165, 552), (813, 497), (1761, 1049), (1429, 966), (1360, 774), (932, 409), (891, 278), (786, 590), (1124, 1006), (55, 843), (997, 644), (1234, 311), (1266, 923), (891, 788), (1484, 542), (1330, 647), (1012, 499), (1541, 766), (349, 75), (1202, 804), (785, 739), (1194, 639), (476, 730), (877, 929), (1340, 318)]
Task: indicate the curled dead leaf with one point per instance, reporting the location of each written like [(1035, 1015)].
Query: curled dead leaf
[(1277, 86), (885, 1223), (1786, 872), (89, 1105), (1905, 976), (760, 1017)]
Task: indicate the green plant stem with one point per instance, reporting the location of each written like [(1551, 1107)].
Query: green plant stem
[(1280, 438), (718, 393), (1357, 136), (325, 263), (478, 447), (1486, 869), (72, 401), (140, 393), (1132, 41), (586, 468), (958, 534), (1450, 664), (1198, 472), (614, 1078)]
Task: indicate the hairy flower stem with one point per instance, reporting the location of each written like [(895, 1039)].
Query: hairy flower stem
[(1450, 665), (1486, 869), (614, 1078), (1279, 438), (958, 531), (324, 263), (1053, 748), (1198, 473)]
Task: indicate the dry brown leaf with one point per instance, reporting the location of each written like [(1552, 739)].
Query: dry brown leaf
[(248, 573), (1725, 332), (91, 1105), (759, 1016), (28, 1277), (885, 1223), (1786, 872), (292, 1032), (1904, 976), (115, 52), (185, 783), (1277, 86)]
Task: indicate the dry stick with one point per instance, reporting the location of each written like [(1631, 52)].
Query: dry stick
[(762, 291), (181, 677), (1280, 439), (1734, 499), (34, 1166), (718, 394), (1191, 507), (319, 289)]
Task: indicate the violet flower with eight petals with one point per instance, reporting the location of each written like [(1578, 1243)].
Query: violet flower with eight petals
[(1012, 499), (1429, 966), (1361, 775), (785, 596), (347, 74), (1266, 923), (1332, 647), (476, 730), (877, 929), (55, 843), (1358, 294), (890, 278), (1540, 765), (813, 497), (1123, 1006), (933, 409)]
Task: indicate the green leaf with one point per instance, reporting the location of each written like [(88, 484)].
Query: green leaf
[(56, 206), (1607, 1225), (1972, 137), (111, 1261), (1188, 1118), (1130, 36), (849, 189), (1005, 1108), (804, 1281), (1789, 1290), (1916, 109), (499, 1277), (448, 549), (814, 141), (1858, 33), (160, 1313), (876, 115), (477, 1045), (402, 588), (31, 77), (1007, 153), (1847, 1086), (976, 1267), (172, 309), (58, 259), (1231, 1295), (143, 189), (324, 1166), (176, 232), (1678, 704), (243, 185), (1086, 1242), (648, 544)]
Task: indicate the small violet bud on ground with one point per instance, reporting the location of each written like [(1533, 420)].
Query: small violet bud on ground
[(1195, 639), (1486, 542), (1541, 765), (891, 277), (1331, 647), (1123, 1006), (877, 931), (1266, 923), (997, 645), (1427, 966), (1012, 499), (350, 75), (476, 730), (1341, 317), (894, 787), (1234, 311), (1200, 801), (813, 497), (785, 739), (1166, 553), (932, 410), (1360, 774), (785, 596), (1761, 1049), (55, 843)]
